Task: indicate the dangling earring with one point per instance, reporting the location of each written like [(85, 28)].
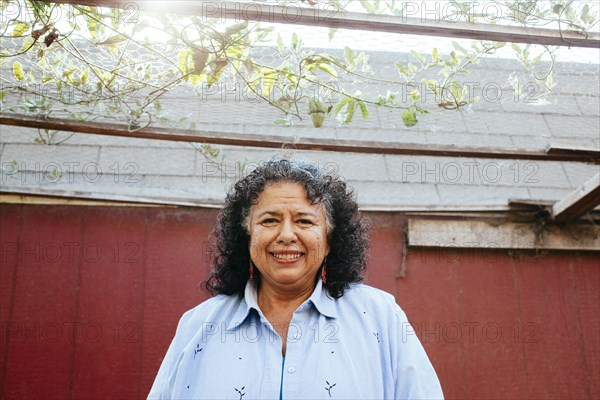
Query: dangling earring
[(251, 269), (323, 271)]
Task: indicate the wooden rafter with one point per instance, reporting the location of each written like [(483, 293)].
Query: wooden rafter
[(272, 141), (327, 16), (491, 235), (578, 202)]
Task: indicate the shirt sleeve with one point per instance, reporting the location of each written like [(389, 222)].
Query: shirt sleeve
[(415, 377)]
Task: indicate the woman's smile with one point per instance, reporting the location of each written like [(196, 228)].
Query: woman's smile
[(287, 257)]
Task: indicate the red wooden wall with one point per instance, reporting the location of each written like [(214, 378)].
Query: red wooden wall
[(90, 298)]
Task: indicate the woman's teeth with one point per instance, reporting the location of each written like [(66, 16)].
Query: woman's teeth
[(287, 256)]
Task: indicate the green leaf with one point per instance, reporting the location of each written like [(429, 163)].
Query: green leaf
[(435, 55), (459, 48), (455, 59), (349, 55), (456, 92), (431, 84), (338, 107), (370, 8), (85, 76), (294, 40), (236, 28), (363, 109), (93, 28), (350, 111), (20, 29), (18, 71), (328, 68), (585, 15), (113, 40), (269, 78), (183, 60), (283, 122), (415, 96), (332, 32), (409, 117), (27, 44), (280, 43), (418, 56), (402, 69), (557, 8)]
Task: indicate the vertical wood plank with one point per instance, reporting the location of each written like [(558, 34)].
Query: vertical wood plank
[(385, 253), (176, 263), (490, 326), (10, 233), (38, 362), (587, 284), (107, 344), (429, 296), (554, 359)]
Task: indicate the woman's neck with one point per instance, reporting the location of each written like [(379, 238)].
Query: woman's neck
[(279, 306), (273, 300)]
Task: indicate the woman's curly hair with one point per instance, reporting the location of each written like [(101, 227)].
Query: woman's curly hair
[(347, 232)]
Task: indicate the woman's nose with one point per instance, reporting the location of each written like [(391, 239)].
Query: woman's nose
[(286, 232)]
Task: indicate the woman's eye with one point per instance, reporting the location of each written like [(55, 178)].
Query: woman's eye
[(305, 222), (269, 221)]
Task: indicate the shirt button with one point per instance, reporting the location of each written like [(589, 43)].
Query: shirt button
[(291, 370)]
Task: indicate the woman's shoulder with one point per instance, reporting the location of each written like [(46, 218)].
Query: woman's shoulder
[(367, 307), (368, 296), (365, 291), (215, 310)]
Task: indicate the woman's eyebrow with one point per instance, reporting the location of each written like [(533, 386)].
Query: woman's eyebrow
[(305, 213), (273, 213), (276, 214)]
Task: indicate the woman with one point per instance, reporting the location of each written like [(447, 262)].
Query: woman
[(291, 319)]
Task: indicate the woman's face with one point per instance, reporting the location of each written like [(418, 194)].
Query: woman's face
[(288, 237)]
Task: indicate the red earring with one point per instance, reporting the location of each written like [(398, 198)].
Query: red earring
[(323, 271), (251, 269)]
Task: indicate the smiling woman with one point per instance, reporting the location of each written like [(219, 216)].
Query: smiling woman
[(291, 318), (288, 238)]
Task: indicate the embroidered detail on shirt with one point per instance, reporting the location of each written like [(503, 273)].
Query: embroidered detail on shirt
[(197, 350), (329, 387), (377, 337), (240, 392)]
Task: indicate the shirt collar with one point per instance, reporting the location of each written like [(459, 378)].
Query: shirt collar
[(323, 301), (320, 298)]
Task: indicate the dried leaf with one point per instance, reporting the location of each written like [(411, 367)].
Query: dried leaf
[(39, 32)]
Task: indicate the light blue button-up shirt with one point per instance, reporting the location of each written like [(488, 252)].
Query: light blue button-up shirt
[(359, 346)]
